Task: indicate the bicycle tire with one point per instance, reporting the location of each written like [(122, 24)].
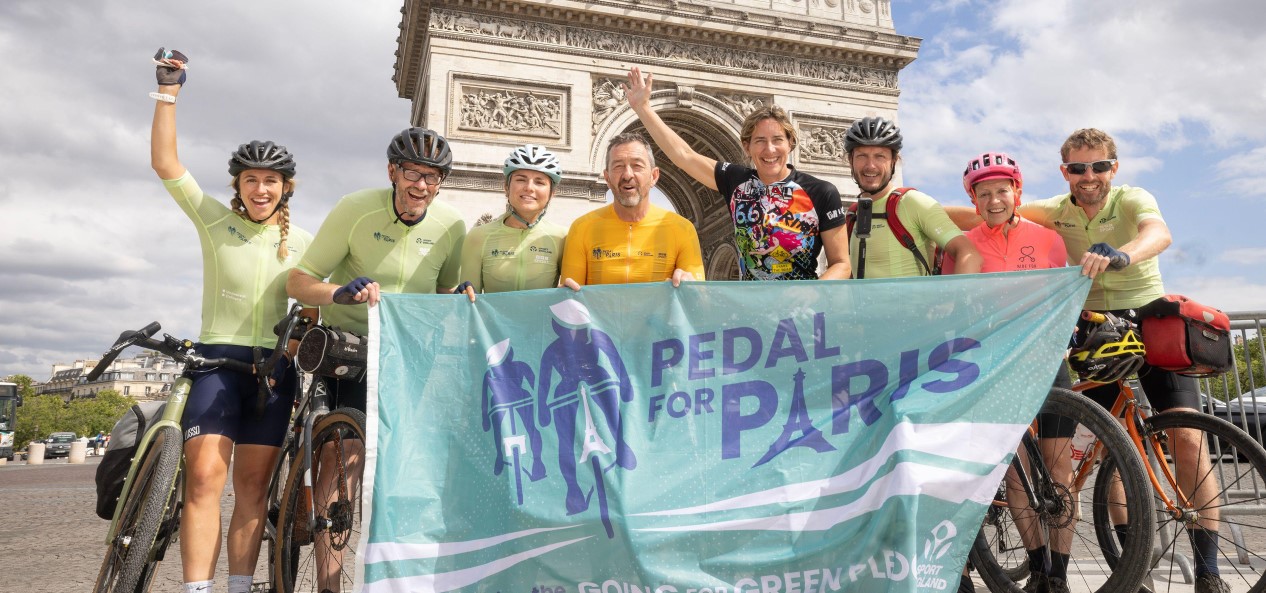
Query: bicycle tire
[(1243, 461), (1085, 568), (130, 562), (276, 487), (295, 563)]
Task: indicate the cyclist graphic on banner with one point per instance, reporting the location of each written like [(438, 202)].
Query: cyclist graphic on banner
[(582, 382), (507, 403)]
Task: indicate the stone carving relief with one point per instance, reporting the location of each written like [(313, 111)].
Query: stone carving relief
[(743, 104), (608, 95), (822, 144), (645, 48), (486, 106)]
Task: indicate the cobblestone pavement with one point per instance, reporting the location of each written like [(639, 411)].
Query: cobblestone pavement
[(51, 540)]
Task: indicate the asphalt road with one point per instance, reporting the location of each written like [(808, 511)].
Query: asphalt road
[(51, 540)]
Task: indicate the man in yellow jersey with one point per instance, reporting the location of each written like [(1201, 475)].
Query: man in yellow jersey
[(631, 240)]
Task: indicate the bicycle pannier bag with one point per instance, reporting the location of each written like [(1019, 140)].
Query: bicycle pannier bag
[(1186, 337), (331, 352), (119, 453)]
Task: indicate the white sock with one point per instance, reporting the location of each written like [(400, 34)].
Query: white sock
[(199, 586), (240, 583)]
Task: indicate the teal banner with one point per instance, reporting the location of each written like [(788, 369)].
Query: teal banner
[(720, 437)]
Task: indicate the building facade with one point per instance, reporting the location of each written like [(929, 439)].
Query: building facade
[(494, 74), (143, 377)]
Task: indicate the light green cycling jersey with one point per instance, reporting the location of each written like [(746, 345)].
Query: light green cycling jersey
[(500, 258), (243, 284), (363, 236), (927, 223), (1116, 224)]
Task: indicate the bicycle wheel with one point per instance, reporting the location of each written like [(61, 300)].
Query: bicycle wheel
[(276, 488), (130, 559), (317, 554), (1060, 520), (1233, 470), (1001, 549)]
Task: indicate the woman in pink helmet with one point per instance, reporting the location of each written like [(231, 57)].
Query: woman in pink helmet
[(1007, 242)]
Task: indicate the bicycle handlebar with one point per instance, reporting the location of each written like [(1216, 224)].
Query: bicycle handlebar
[(180, 350)]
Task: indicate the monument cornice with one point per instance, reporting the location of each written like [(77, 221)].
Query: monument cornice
[(769, 37)]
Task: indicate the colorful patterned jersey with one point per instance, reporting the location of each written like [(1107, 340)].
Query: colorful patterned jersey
[(777, 227)]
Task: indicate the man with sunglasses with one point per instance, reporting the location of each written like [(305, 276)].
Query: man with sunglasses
[(1119, 229)]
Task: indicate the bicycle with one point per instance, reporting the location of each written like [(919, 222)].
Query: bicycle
[(1034, 507), (316, 524), (1234, 467), (1174, 507), (147, 516)]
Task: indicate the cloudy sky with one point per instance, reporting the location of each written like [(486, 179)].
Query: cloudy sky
[(90, 243)]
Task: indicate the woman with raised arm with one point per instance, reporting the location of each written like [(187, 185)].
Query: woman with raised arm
[(247, 251), (782, 218)]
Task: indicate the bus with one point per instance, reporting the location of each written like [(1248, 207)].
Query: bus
[(9, 401)]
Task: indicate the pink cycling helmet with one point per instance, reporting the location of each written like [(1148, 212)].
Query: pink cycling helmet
[(992, 165)]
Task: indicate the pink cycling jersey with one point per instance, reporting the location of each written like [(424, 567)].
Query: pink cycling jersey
[(1028, 246)]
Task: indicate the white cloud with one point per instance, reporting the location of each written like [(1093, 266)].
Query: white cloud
[(1247, 255), (1244, 173), (1229, 293), (1159, 75)]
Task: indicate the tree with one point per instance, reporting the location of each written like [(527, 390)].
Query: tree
[(24, 384), (41, 415), (97, 414)]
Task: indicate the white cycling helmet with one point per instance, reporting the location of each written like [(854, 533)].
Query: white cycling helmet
[(534, 158)]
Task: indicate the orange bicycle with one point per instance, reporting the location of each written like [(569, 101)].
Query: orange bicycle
[(1205, 473), (1220, 485)]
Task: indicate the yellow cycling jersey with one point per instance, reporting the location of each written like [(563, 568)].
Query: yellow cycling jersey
[(602, 249)]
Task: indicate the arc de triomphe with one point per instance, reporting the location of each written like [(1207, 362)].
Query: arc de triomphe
[(494, 74)]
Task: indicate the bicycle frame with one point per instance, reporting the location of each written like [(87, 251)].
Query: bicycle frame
[(1126, 407)]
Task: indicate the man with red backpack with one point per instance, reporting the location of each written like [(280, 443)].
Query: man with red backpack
[(892, 230)]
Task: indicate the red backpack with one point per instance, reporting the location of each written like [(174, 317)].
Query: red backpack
[(898, 230)]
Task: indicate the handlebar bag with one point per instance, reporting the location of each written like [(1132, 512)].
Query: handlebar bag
[(331, 352), (1186, 337)]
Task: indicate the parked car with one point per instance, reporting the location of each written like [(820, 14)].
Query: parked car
[(1248, 418), (1251, 399), (58, 444)]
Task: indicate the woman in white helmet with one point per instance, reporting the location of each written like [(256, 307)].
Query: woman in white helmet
[(519, 250)]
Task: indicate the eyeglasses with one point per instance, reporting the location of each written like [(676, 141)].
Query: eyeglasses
[(1097, 167), (415, 176)]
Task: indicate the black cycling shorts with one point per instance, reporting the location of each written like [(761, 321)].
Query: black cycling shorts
[(224, 402)]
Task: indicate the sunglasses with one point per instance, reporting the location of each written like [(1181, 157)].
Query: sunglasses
[(1097, 167)]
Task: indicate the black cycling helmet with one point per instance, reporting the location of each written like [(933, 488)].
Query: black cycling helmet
[(873, 131), (1107, 355), (262, 154), (421, 146)]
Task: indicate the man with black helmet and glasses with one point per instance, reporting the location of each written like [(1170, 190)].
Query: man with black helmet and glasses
[(873, 146), (393, 240), (396, 240)]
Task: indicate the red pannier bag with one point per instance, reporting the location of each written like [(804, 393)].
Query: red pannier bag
[(1186, 337)]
